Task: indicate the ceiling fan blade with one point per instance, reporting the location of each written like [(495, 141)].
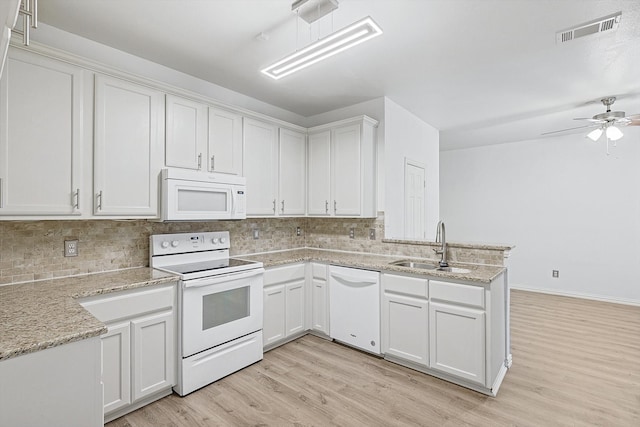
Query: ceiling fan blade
[(591, 120), (634, 120), (569, 129)]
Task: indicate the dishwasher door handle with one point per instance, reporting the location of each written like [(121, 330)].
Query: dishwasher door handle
[(353, 281)]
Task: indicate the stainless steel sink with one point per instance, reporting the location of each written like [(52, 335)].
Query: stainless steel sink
[(425, 266)]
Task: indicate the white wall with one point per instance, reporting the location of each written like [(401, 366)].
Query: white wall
[(407, 136), (562, 201)]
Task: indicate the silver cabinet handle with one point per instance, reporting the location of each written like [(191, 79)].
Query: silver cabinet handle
[(76, 197), (335, 207), (99, 201), (283, 206), (1, 194), (199, 161), (274, 205), (326, 206), (213, 163)]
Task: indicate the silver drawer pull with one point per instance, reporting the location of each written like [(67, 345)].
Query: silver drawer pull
[(99, 201), (76, 197), (199, 161)]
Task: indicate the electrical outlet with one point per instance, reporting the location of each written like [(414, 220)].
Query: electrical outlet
[(352, 233), (555, 273), (70, 248), (372, 234), (256, 234), (298, 231)]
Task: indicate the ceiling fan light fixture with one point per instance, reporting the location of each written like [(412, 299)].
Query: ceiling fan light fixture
[(613, 133), (595, 134), (350, 36)]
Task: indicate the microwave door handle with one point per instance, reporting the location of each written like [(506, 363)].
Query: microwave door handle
[(233, 201), (207, 281)]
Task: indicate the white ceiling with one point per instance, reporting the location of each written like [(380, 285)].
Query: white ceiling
[(481, 71)]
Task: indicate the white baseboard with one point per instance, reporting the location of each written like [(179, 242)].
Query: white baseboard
[(576, 295)]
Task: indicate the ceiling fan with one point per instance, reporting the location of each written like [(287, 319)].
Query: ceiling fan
[(607, 123)]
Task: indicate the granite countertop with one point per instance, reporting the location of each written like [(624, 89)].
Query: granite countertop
[(38, 315), (479, 274)]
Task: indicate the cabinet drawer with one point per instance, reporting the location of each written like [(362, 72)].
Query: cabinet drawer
[(283, 274), (319, 271), (405, 285), (457, 293), (121, 305)]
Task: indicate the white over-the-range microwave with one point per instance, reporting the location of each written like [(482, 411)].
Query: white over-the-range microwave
[(201, 196)]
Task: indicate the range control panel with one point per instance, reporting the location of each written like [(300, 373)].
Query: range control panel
[(179, 243)]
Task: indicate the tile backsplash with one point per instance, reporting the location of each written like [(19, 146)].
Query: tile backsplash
[(33, 250)]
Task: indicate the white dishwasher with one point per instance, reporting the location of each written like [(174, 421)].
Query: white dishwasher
[(354, 307)]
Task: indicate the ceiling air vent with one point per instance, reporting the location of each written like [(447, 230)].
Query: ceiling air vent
[(610, 22)]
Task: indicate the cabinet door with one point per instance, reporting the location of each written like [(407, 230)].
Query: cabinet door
[(129, 136), (41, 139), (405, 329), (292, 173), (154, 352), (320, 306), (295, 307), (260, 166), (457, 341), (274, 325), (225, 142), (186, 134), (319, 190), (346, 176), (116, 367)]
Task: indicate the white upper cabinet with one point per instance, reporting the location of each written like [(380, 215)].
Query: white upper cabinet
[(225, 142), (128, 142), (186, 134), (260, 167), (292, 173), (41, 103), (319, 194), (342, 169)]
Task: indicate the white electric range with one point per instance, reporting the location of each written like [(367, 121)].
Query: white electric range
[(219, 305)]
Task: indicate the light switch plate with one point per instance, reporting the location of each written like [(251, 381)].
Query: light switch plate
[(372, 234), (70, 248), (256, 234)]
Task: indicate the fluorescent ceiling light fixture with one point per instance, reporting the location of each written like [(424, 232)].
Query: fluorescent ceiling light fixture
[(595, 134), (613, 133), (341, 40)]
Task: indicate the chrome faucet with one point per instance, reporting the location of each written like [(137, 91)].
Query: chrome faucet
[(441, 238)]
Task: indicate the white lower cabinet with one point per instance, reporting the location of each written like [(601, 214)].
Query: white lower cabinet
[(458, 341), (284, 304), (319, 298), (139, 349), (405, 318)]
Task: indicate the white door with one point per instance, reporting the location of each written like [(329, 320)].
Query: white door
[(414, 200), (405, 331), (260, 166), (41, 106), (295, 300), (274, 324), (116, 367), (346, 177), (129, 136), (186, 133), (319, 173), (154, 352), (457, 341), (292, 175), (225, 141)]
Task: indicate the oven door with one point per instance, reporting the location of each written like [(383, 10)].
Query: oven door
[(220, 308)]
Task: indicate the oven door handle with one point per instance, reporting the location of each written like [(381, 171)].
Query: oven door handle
[(223, 278)]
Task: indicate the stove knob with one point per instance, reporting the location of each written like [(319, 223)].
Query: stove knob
[(222, 240), (215, 240), (175, 243), (165, 245)]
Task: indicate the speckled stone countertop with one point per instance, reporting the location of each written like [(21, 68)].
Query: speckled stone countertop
[(478, 274), (38, 315), (453, 244)]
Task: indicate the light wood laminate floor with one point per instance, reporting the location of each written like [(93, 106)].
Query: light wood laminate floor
[(575, 363)]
